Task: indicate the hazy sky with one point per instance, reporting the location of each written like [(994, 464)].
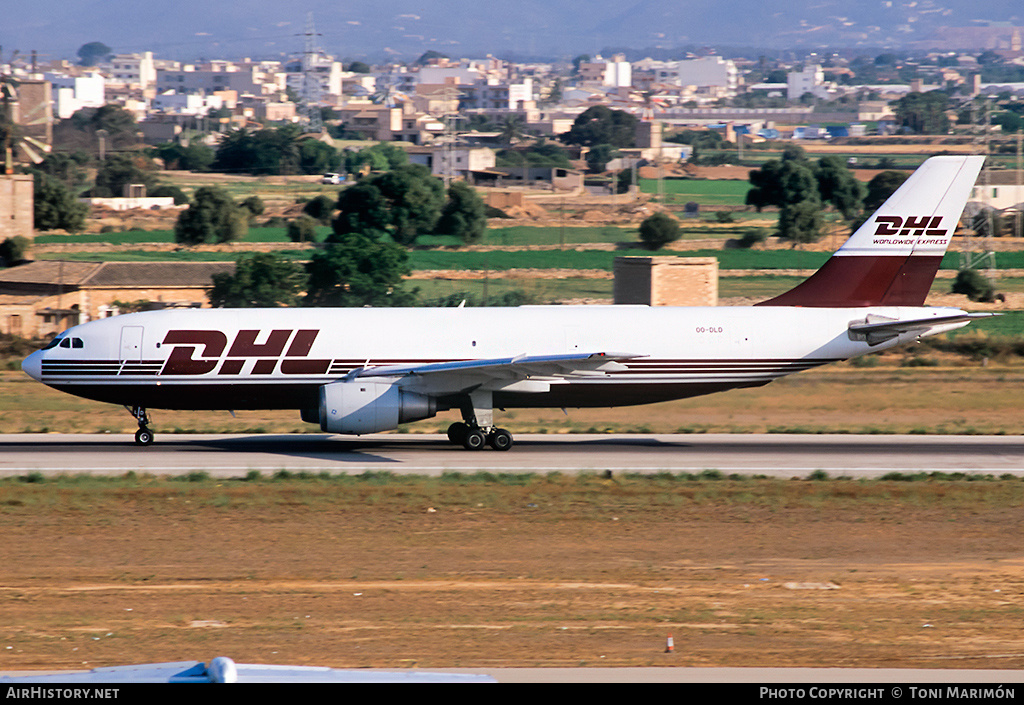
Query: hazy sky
[(232, 28)]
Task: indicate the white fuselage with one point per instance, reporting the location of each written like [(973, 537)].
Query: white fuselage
[(279, 358)]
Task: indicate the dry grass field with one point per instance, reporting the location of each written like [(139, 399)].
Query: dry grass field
[(543, 571)]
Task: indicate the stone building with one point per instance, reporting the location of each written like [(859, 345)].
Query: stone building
[(43, 298), (666, 281), (16, 192)]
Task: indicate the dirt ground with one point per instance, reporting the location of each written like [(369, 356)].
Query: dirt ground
[(478, 576)]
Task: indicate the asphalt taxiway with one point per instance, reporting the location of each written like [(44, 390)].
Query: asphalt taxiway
[(772, 455)]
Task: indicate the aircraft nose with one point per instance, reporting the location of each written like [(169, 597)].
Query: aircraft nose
[(33, 365)]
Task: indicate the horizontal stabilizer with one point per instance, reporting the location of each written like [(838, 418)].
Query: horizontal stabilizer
[(877, 329)]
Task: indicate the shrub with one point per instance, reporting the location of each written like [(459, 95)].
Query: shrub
[(658, 230), (753, 236), (975, 285), (302, 229)]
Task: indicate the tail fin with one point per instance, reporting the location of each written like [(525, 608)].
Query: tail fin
[(892, 258)]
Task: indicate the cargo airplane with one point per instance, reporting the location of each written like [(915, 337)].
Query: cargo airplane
[(366, 370)]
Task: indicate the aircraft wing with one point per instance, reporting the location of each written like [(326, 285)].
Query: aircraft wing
[(224, 670), (877, 329), (497, 373)]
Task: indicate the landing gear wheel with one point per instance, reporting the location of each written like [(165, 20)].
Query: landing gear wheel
[(143, 436), (474, 439), (499, 439), (457, 432)]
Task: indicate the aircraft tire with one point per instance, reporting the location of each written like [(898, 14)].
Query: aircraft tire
[(500, 439), (144, 437), (457, 432), (474, 439)]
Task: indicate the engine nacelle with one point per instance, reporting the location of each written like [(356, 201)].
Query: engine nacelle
[(359, 407)]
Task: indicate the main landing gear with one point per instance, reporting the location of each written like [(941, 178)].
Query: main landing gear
[(477, 426), (475, 438), (143, 436)]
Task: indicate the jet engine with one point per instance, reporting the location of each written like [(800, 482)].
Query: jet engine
[(359, 407)]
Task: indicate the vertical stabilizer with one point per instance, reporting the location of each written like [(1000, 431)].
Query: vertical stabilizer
[(892, 258)]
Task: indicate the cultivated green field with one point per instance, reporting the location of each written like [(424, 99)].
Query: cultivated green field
[(704, 192)]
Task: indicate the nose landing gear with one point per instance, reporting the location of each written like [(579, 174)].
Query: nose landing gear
[(143, 436)]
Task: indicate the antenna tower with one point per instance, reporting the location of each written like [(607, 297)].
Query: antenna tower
[(976, 251), (311, 92)]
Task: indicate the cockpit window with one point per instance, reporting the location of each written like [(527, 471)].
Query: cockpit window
[(76, 343)]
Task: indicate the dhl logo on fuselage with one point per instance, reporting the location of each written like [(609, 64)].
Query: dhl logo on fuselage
[(210, 346)]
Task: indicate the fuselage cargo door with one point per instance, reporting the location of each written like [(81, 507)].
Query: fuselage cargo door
[(131, 343)]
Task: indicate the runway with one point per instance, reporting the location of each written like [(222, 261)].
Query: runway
[(771, 455)]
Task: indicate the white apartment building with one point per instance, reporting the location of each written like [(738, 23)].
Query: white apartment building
[(185, 103), (327, 71), (614, 73), (459, 160), (810, 80), (210, 78), (499, 96), (707, 72), (137, 70), (72, 93)]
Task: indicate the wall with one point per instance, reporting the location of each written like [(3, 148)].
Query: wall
[(16, 192)]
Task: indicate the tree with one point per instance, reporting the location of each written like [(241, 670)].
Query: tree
[(838, 186), (658, 230), (260, 280), (601, 125), (579, 59), (428, 56), (881, 186), (113, 118), (765, 185), (362, 208), (316, 157), (380, 157), (320, 209), (212, 216), (271, 151), (800, 222), (54, 207), (464, 216), (253, 204), (511, 130), (119, 170), (599, 156), (302, 229), (923, 113), (13, 250), (415, 199), (195, 157), (357, 269), (93, 53)]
